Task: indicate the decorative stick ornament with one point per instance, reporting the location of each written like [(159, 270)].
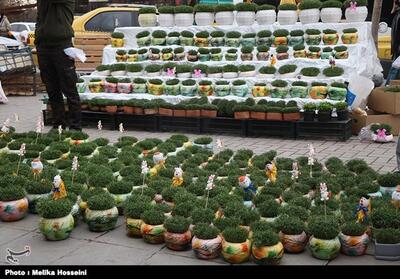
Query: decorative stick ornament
[(21, 154), (16, 117), (145, 171), (74, 168), (60, 130), (39, 128), (324, 195), (295, 171), (6, 126), (210, 186), (220, 145), (99, 125), (311, 154), (37, 167)]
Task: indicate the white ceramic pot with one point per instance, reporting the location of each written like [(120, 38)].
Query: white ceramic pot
[(134, 74), (215, 75), (155, 74), (166, 20), (309, 16), (287, 17), (224, 18), (266, 75), (359, 15), (147, 20), (245, 18), (184, 75), (103, 73), (118, 73), (203, 75), (247, 74), (266, 17), (331, 15), (289, 75), (184, 19), (230, 75), (204, 19)]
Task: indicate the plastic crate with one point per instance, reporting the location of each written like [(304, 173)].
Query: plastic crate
[(183, 124), (17, 61), (224, 125), (327, 130), (256, 128), (138, 122)]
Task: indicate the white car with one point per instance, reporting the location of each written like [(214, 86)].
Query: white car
[(23, 26)]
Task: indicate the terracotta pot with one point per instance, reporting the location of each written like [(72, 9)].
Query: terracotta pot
[(133, 227), (257, 115), (180, 112), (293, 243), (178, 241), (291, 116), (209, 113), (165, 111), (274, 116), (152, 234), (13, 210), (353, 245), (268, 255), (236, 252), (242, 115), (207, 248), (111, 109), (150, 111), (193, 113), (138, 110), (128, 109)]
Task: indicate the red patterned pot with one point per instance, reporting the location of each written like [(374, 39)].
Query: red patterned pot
[(178, 241), (354, 245), (293, 243), (13, 210), (207, 248)]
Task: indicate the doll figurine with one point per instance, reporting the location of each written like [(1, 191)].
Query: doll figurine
[(37, 167), (396, 197), (58, 190), (246, 184), (158, 159), (271, 171), (177, 180), (362, 210)]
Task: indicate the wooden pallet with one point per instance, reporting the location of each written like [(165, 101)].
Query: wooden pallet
[(92, 45)]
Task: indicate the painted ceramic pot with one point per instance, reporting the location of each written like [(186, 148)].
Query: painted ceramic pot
[(32, 200), (318, 92), (204, 57), (267, 255), (142, 42), (117, 42), (217, 42), (265, 41), (139, 88), (121, 58), (96, 87), (259, 91), (193, 58), (155, 89), (76, 213), (142, 57), (207, 248), (206, 90), (327, 54), (152, 234), (354, 245), (279, 92), (222, 90), (313, 39), (282, 56), (337, 93), (124, 88), (263, 56), (154, 56), (324, 249), (294, 243), (188, 90), (133, 227), (236, 252), (169, 56), (314, 55), (179, 56), (330, 39), (281, 41), (13, 210), (201, 42), (58, 228), (232, 42), (349, 38), (172, 41), (296, 40), (342, 54), (231, 56), (119, 201), (186, 41), (246, 56), (248, 42), (172, 89), (298, 92), (111, 87), (216, 56), (178, 241), (240, 90), (158, 41), (300, 53), (101, 220)]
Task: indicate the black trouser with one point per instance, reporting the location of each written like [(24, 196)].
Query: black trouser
[(57, 71)]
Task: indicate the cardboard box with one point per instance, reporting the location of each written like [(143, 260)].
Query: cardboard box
[(395, 82), (360, 121), (384, 101)]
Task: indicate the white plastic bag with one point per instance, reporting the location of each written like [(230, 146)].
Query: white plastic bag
[(76, 53), (3, 98), (359, 89)]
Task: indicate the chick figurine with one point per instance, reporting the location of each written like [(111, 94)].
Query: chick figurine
[(37, 167), (58, 190), (158, 159), (271, 172), (177, 180)]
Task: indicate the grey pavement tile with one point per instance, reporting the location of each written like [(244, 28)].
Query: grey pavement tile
[(9, 234), (29, 223), (82, 231), (361, 260)]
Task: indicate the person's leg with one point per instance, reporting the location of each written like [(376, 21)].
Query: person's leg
[(392, 75), (67, 79), (398, 154), (49, 77)]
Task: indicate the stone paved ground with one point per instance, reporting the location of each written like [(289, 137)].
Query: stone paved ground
[(114, 247)]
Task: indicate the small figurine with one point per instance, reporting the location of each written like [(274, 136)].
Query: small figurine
[(362, 210), (5, 129), (58, 190), (271, 171), (158, 159), (177, 180), (37, 167), (272, 60), (171, 72), (324, 192), (295, 171), (332, 61), (382, 135), (246, 184), (396, 197)]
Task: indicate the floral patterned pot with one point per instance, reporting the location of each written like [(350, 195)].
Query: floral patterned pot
[(300, 53), (314, 55), (139, 88), (267, 255), (170, 41), (179, 56), (201, 42), (132, 58), (153, 56), (192, 58), (318, 92), (178, 241), (236, 252), (324, 249), (298, 92), (121, 58), (279, 92), (101, 220), (313, 39), (337, 93), (155, 89), (172, 89), (246, 56), (58, 228), (158, 41), (169, 56), (142, 57), (259, 91), (144, 41), (350, 38), (124, 88), (216, 56), (240, 90), (296, 40), (96, 87), (330, 39), (117, 42), (152, 234), (232, 42), (354, 245), (222, 90), (13, 210), (268, 41), (282, 56), (133, 227), (186, 41), (207, 249), (327, 54), (342, 54), (206, 90), (188, 90), (111, 87), (263, 56), (294, 243), (217, 42), (281, 41), (248, 42), (231, 56)]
